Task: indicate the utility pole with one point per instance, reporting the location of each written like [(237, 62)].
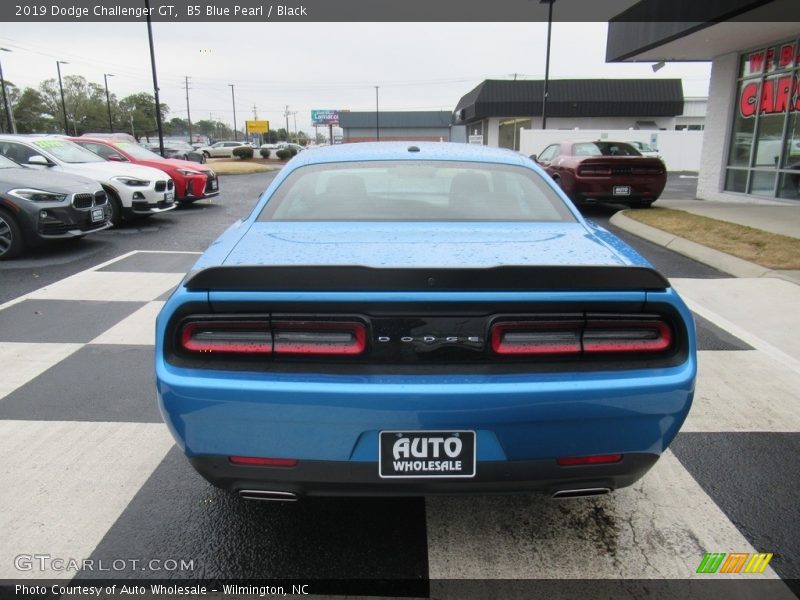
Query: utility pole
[(188, 114), (9, 120), (547, 61), (61, 88), (108, 102), (255, 114), (286, 114), (294, 120), (377, 117), (233, 101)]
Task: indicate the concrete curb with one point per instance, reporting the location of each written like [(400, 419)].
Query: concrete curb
[(714, 258)]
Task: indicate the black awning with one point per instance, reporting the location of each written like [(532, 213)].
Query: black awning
[(573, 98)]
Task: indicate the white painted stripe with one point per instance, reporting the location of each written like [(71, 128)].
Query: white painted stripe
[(744, 391), (97, 267), (110, 286), (23, 361), (136, 329), (661, 527), (760, 311), (66, 483)]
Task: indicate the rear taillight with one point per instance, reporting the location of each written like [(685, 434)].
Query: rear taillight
[(536, 337), (600, 459), (591, 170), (626, 336), (601, 335), (276, 337), (257, 461), (237, 337), (319, 337)]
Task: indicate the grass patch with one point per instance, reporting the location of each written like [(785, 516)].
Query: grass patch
[(767, 249), (239, 167)]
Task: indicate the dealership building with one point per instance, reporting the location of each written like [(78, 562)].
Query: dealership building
[(496, 109), (370, 126), (751, 143)]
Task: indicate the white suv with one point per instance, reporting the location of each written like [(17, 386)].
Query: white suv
[(220, 149), (131, 189)]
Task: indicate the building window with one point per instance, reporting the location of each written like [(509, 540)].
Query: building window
[(509, 132), (764, 151)]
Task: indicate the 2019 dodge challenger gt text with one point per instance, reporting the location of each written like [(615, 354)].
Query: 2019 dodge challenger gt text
[(407, 319)]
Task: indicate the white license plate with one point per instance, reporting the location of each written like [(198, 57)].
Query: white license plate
[(169, 196), (621, 190), (431, 454), (214, 184), (98, 215)]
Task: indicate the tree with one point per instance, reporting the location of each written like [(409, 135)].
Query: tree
[(139, 114), (31, 114), (177, 127), (12, 92), (85, 103)]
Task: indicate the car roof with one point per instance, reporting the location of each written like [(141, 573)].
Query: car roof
[(448, 151)]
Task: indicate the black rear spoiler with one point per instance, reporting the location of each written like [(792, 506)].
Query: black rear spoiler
[(333, 278)]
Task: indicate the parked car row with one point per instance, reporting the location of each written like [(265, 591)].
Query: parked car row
[(604, 171), (56, 187)]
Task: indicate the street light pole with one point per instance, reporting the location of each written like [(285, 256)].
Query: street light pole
[(108, 102), (233, 101), (377, 117), (61, 88), (9, 123), (547, 61), (155, 80)]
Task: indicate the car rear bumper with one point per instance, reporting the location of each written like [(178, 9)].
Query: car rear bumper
[(338, 419), (603, 189), (344, 478)]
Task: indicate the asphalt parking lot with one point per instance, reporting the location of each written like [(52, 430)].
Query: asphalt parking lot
[(91, 471)]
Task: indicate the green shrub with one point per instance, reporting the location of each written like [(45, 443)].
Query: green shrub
[(292, 150), (243, 152), (264, 152), (283, 153)]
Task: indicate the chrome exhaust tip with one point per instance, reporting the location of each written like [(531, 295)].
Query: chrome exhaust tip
[(267, 495), (581, 493)]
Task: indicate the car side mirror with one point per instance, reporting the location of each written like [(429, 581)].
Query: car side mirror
[(38, 159), (115, 158), (533, 158)]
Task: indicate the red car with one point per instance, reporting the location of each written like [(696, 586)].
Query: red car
[(604, 171), (193, 181)]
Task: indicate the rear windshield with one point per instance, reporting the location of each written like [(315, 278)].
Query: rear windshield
[(415, 191), (604, 149)]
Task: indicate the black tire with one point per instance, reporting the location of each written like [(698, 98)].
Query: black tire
[(203, 159), (11, 242), (206, 155), (115, 205), (643, 204)]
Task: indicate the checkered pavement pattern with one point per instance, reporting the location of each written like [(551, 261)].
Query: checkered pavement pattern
[(90, 471)]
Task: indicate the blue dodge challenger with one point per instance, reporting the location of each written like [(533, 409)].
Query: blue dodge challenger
[(422, 318)]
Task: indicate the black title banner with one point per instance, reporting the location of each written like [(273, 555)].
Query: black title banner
[(393, 10)]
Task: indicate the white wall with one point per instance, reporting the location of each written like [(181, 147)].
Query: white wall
[(719, 120), (680, 150)]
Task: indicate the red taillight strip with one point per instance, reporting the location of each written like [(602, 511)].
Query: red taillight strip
[(257, 461), (536, 337), (279, 337), (626, 336), (602, 459), (240, 337), (595, 336), (319, 337)]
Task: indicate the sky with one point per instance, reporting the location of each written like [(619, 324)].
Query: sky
[(417, 66)]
